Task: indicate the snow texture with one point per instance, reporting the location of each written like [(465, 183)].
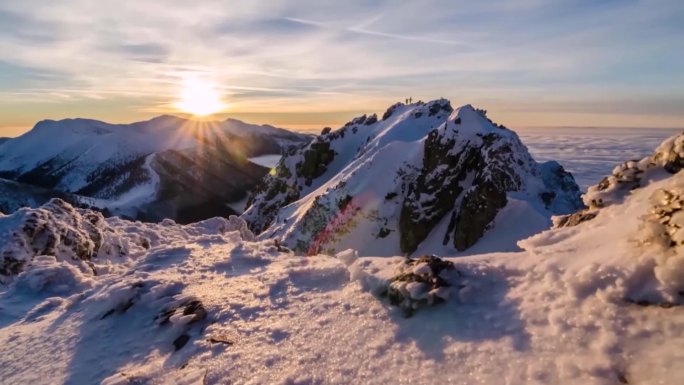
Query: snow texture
[(596, 303)]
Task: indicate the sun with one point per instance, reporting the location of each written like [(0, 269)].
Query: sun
[(199, 97)]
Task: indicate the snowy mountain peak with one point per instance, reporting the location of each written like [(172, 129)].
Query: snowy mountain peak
[(72, 125), (133, 168), (422, 178)]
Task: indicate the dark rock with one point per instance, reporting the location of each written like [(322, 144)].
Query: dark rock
[(326, 130), (478, 210), (490, 162), (426, 272), (390, 111), (180, 342), (221, 339), (439, 105), (560, 182), (191, 307), (575, 218), (316, 158)]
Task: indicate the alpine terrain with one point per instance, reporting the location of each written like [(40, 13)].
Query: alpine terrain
[(167, 167), (423, 178), (596, 300)]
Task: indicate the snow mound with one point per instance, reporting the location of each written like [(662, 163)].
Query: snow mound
[(206, 304), (93, 244), (420, 282), (631, 250), (46, 274), (425, 178), (57, 229)]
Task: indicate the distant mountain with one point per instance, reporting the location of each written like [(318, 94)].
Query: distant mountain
[(422, 178), (17, 195), (164, 167)]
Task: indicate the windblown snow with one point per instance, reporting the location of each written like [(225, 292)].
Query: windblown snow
[(89, 300)]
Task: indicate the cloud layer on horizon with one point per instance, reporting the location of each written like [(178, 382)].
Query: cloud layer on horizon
[(612, 58)]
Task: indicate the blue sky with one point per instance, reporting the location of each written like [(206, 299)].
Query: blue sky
[(307, 64)]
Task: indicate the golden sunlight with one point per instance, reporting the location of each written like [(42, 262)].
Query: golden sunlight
[(199, 97)]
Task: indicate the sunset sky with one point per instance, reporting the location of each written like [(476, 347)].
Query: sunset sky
[(309, 64)]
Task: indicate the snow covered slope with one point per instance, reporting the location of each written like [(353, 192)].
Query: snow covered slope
[(17, 195), (88, 300), (117, 164), (424, 178)]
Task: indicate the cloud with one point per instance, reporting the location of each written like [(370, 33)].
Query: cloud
[(345, 54)]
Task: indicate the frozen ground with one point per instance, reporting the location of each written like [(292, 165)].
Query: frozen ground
[(596, 303), (591, 153)]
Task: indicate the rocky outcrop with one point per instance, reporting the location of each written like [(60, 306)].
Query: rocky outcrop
[(666, 160), (58, 229), (420, 282), (422, 168), (315, 159), (665, 221), (493, 164)]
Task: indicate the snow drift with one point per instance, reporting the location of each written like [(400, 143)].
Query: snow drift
[(595, 303)]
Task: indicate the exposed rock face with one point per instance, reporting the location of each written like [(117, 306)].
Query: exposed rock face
[(663, 228), (493, 163), (575, 219), (316, 157), (391, 183)]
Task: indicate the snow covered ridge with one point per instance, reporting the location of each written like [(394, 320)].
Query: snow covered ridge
[(666, 160), (142, 170), (84, 238), (422, 179)]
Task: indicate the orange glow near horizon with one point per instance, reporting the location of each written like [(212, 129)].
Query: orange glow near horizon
[(199, 97)]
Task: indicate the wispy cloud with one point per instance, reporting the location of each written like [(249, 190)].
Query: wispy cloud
[(360, 54)]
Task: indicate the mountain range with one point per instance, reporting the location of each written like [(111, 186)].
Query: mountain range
[(595, 300), (423, 178), (166, 167)]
